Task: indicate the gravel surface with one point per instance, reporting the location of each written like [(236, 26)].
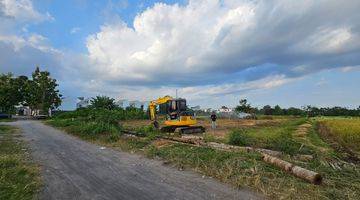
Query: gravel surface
[(75, 169)]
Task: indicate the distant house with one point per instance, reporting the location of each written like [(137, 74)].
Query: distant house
[(242, 115), (122, 103), (195, 108), (83, 102), (225, 109), (23, 110), (207, 110), (139, 104)]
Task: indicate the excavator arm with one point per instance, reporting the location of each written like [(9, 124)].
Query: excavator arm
[(154, 103)]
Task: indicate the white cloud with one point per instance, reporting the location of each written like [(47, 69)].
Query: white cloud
[(75, 30), (209, 40), (22, 10), (193, 93), (350, 68)]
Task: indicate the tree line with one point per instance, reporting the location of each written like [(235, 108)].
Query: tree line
[(310, 111), (39, 92)]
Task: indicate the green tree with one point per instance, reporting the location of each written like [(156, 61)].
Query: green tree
[(267, 110), (103, 102), (243, 106), (41, 91), (12, 92), (21, 84), (278, 110), (7, 90)]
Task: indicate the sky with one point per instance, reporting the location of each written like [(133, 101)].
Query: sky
[(213, 52)]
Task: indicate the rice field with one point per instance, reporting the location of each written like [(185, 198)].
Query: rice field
[(345, 131)]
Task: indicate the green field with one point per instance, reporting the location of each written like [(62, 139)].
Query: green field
[(275, 137), (19, 177)]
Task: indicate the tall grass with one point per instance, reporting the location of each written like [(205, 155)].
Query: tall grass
[(345, 131), (91, 123), (104, 115)]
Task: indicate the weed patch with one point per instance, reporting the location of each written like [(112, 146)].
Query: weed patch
[(19, 178)]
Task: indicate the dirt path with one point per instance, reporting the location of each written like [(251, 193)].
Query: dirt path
[(74, 169)]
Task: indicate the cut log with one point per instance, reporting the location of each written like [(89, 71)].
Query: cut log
[(307, 175), (186, 140), (300, 172), (227, 147), (278, 162)]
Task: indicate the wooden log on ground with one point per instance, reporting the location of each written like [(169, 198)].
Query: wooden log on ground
[(312, 177), (300, 172), (227, 147), (185, 140), (268, 151), (278, 162)]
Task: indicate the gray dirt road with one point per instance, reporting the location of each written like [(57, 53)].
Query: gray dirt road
[(75, 169)]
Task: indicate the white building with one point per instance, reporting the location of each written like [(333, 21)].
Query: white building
[(195, 108), (23, 110), (242, 115), (122, 103), (208, 110), (225, 109)]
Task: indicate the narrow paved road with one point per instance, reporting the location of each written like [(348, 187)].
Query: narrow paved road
[(75, 169)]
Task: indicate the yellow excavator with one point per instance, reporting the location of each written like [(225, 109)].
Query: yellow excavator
[(178, 117)]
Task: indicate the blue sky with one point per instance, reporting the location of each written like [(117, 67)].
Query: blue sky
[(214, 52)]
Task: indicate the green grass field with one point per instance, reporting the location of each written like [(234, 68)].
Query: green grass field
[(276, 137), (19, 177)]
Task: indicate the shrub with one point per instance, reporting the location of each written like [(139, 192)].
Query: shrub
[(239, 137), (103, 115)]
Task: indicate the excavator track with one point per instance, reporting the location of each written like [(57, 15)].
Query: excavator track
[(183, 130), (190, 129)]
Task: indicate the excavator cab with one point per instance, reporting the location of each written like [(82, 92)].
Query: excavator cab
[(176, 108)]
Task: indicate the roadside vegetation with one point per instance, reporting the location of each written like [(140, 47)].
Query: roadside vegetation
[(100, 119), (19, 177)]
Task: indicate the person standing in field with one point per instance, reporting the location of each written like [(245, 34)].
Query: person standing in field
[(213, 120)]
